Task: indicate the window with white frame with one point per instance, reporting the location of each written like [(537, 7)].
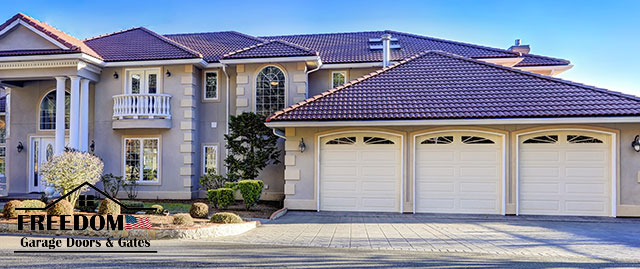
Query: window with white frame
[(209, 159), (338, 78), (270, 90), (142, 81), (141, 159), (210, 90), (48, 111)]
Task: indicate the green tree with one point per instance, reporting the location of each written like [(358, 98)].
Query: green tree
[(252, 146)]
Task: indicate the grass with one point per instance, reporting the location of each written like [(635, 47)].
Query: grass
[(171, 207)]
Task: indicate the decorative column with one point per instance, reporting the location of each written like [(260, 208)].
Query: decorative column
[(74, 119), (60, 109), (84, 115)]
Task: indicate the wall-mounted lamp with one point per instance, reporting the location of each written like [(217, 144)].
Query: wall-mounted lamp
[(92, 147), (20, 147), (115, 75), (636, 143), (168, 73), (302, 146)]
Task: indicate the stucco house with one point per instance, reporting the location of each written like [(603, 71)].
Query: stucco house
[(379, 121)]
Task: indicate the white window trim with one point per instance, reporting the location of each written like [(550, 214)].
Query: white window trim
[(38, 115), (143, 83), (203, 160), (124, 157), (343, 72), (255, 85), (204, 86)]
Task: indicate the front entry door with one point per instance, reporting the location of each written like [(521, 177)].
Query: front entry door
[(41, 152)]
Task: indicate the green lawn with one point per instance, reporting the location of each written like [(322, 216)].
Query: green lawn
[(171, 207)]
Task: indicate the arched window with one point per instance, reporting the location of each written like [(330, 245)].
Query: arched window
[(270, 90), (48, 111)]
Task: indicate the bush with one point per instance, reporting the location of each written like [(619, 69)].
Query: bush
[(10, 211), (250, 190), (231, 185), (182, 219), (109, 207), (33, 204), (199, 210), (62, 207), (159, 210), (221, 198), (131, 204), (226, 217), (211, 180), (112, 184), (67, 171)]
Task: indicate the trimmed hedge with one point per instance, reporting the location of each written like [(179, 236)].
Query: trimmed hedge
[(221, 198), (182, 219), (250, 190), (159, 210), (9, 211), (62, 207), (33, 204), (226, 217), (231, 185), (109, 207), (131, 204), (199, 210)]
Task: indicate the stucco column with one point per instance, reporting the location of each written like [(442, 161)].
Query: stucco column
[(60, 108), (84, 115), (74, 119)]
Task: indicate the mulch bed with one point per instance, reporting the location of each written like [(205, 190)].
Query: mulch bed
[(262, 210)]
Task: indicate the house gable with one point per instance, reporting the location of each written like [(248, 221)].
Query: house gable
[(22, 38)]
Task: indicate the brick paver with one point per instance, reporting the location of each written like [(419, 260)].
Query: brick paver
[(604, 238)]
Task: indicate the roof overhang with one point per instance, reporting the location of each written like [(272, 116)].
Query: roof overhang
[(507, 61), (271, 60), (552, 69), (353, 65), (195, 61), (577, 120)]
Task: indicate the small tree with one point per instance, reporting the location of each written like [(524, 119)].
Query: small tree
[(252, 146), (67, 171)]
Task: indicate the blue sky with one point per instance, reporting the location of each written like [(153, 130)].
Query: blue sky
[(601, 38)]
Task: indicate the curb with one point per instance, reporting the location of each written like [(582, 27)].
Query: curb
[(279, 213)]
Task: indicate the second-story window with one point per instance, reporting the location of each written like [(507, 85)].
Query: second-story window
[(143, 81), (211, 85), (338, 78)]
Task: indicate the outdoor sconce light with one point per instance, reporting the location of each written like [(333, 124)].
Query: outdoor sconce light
[(168, 73), (636, 143), (115, 75), (302, 146), (20, 147), (92, 147)]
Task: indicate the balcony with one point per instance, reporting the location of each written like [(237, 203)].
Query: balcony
[(145, 111)]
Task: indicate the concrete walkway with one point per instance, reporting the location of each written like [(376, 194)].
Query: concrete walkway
[(602, 238)]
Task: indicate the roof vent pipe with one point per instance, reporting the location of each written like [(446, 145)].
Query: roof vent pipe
[(386, 50)]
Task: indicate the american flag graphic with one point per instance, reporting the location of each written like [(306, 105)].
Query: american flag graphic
[(132, 222)]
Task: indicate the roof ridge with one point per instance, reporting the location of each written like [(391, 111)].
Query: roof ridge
[(348, 84), (554, 79), (329, 33), (295, 46), (112, 33), (230, 31), (174, 43)]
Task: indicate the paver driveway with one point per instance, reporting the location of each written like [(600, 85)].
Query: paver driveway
[(604, 238)]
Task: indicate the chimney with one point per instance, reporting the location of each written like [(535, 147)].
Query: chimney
[(520, 48), (386, 50)]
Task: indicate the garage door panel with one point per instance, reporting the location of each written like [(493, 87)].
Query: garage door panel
[(382, 170), (437, 187), (378, 186), (484, 187), (379, 156), (426, 155), (486, 204), (436, 205), (577, 183), (334, 155), (340, 171), (479, 156), (479, 171), (435, 172)]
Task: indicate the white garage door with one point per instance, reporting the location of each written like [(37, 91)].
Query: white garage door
[(360, 172), (565, 173), (459, 172)]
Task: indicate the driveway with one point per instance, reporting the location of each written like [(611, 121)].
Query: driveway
[(603, 238)]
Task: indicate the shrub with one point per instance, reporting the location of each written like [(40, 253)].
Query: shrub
[(109, 207), (112, 184), (33, 204), (199, 210), (10, 211), (211, 180), (67, 171), (250, 190), (226, 217), (159, 210), (231, 185), (221, 198), (62, 207), (131, 187), (131, 204), (182, 219)]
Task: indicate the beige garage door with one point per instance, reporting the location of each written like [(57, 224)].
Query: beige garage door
[(360, 172), (459, 172), (565, 173)]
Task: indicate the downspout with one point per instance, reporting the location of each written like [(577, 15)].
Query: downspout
[(279, 133), (226, 125), (306, 94)]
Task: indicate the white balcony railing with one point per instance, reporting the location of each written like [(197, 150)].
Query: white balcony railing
[(136, 106)]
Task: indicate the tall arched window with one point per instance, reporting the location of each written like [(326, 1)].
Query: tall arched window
[(48, 111), (270, 90)]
